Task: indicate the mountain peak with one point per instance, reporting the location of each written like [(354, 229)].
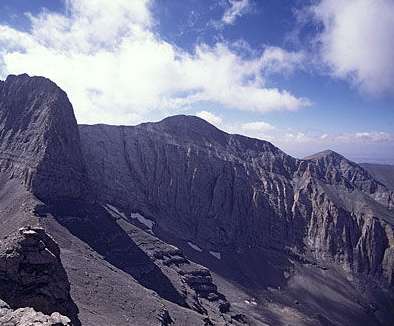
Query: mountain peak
[(188, 121), (324, 154), (191, 127), (39, 136), (12, 77), (32, 81)]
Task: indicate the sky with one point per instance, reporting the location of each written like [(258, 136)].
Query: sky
[(305, 75)]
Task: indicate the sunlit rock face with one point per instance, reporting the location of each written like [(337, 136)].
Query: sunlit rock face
[(28, 316), (227, 192)]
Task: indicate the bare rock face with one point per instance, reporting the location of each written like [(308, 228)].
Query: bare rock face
[(39, 140), (32, 275), (351, 215), (382, 172), (229, 192), (334, 169), (238, 203)]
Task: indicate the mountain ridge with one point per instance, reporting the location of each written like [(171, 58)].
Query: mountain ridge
[(125, 203)]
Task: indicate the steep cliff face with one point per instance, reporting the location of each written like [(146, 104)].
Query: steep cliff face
[(351, 215), (275, 231), (39, 140), (229, 192), (197, 181), (382, 172), (334, 169), (113, 278)]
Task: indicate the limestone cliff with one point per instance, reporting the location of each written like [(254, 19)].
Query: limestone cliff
[(227, 192), (39, 140)]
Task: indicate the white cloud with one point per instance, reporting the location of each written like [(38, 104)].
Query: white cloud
[(376, 146), (236, 9), (257, 126), (287, 138), (364, 137), (115, 69), (210, 117), (357, 41), (296, 137), (374, 137), (276, 59)]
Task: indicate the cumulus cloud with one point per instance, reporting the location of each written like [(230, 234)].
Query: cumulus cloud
[(376, 146), (210, 117), (257, 126), (278, 60), (286, 137), (364, 137), (357, 41), (236, 9), (116, 69)]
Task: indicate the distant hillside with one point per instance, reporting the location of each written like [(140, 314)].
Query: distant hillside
[(382, 172)]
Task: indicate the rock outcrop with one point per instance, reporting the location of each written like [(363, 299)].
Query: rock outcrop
[(32, 275), (29, 317), (39, 140)]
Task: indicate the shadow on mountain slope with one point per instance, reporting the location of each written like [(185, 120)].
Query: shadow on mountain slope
[(92, 224)]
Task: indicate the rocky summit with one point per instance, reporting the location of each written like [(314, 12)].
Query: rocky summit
[(180, 223)]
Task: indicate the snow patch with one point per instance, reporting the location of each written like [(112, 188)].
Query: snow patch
[(194, 173), (195, 247), (216, 254), (112, 209), (143, 220)]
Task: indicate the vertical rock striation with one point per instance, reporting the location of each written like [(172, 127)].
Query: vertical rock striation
[(39, 139), (226, 192), (188, 182)]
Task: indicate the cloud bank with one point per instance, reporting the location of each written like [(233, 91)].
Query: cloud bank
[(357, 42), (116, 69), (301, 143)]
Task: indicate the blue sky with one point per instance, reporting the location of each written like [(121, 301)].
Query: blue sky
[(305, 75)]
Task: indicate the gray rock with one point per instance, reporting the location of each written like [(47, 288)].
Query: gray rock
[(39, 140), (32, 275), (317, 231), (381, 172), (226, 191), (30, 317)]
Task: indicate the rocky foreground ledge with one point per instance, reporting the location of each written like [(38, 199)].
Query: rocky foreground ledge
[(28, 317), (33, 282)]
